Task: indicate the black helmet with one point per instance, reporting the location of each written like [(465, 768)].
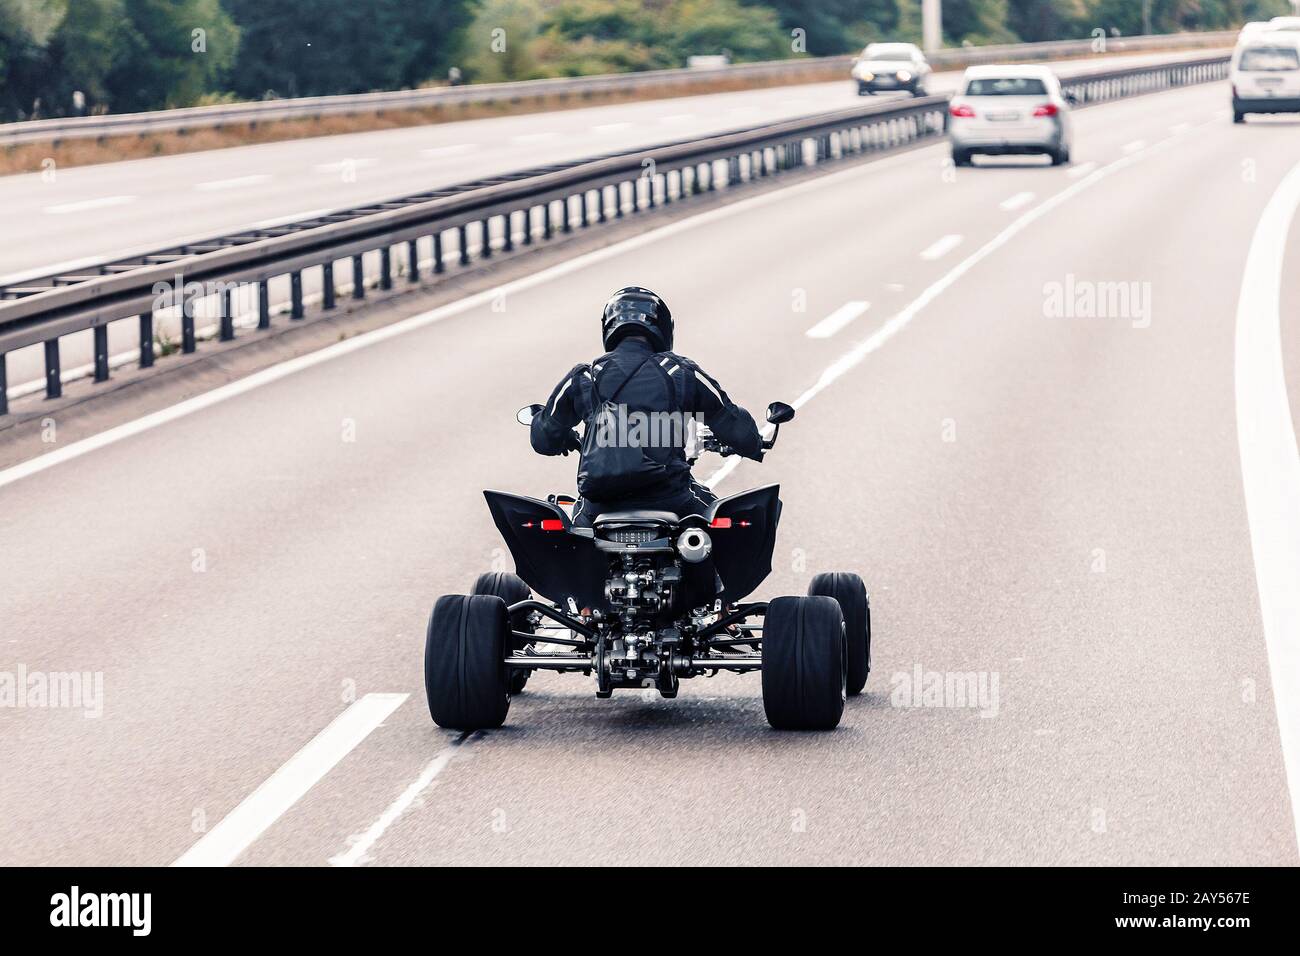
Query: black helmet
[(636, 309)]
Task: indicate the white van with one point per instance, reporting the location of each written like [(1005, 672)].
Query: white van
[(1266, 75)]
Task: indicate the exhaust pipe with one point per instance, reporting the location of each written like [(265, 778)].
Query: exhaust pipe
[(694, 545)]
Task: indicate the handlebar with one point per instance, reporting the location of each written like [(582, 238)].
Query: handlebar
[(709, 443)]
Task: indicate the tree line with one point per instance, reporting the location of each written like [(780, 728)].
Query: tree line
[(62, 57)]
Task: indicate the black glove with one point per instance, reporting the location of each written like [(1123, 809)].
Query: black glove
[(574, 443)]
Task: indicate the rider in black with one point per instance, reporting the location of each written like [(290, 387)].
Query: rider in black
[(638, 401)]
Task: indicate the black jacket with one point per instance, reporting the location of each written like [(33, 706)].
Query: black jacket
[(659, 382)]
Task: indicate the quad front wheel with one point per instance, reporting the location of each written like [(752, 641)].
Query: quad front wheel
[(851, 595), (803, 663), (465, 675)]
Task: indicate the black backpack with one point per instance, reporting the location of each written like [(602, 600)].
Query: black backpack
[(610, 467)]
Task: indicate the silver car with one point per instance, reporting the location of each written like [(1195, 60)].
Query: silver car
[(885, 67), (1010, 110)]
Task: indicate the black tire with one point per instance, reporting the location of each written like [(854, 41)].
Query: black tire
[(803, 663), (511, 589), (464, 662), (1060, 156), (851, 595), (961, 157), (1238, 117)]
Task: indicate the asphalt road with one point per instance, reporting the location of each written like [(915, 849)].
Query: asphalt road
[(86, 214), (1056, 503)]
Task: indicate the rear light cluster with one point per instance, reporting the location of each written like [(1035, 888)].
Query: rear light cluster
[(964, 111), (546, 524), (727, 523), (1047, 109)]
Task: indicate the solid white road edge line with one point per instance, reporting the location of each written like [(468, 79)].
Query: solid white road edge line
[(859, 352), (283, 369), (1270, 465), (223, 843), (837, 320), (360, 845)]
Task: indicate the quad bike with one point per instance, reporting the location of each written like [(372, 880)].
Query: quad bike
[(647, 599)]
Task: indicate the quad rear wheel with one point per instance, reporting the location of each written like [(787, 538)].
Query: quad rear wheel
[(851, 594), (465, 676), (511, 589), (803, 663)]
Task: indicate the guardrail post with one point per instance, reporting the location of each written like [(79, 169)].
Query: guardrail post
[(546, 219), (53, 374), (438, 266), (618, 200), (327, 283), (4, 384), (462, 237), (295, 295), (486, 235), (601, 215), (263, 304), (567, 224), (146, 339), (528, 225), (650, 191), (585, 206), (358, 278), (187, 323), (508, 228), (413, 259), (227, 332), (101, 353), (386, 267)]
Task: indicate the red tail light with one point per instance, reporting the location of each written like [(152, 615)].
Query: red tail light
[(552, 524), (720, 523), (964, 111), (1047, 109)]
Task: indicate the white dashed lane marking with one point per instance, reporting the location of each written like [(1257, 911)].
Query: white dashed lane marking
[(837, 320), (221, 845), (941, 248), (84, 205), (236, 182), (1017, 201)]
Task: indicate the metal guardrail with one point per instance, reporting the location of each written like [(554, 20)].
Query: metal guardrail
[(667, 82), (543, 203)]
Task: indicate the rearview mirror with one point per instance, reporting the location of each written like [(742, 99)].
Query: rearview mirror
[(778, 413), (526, 414)]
